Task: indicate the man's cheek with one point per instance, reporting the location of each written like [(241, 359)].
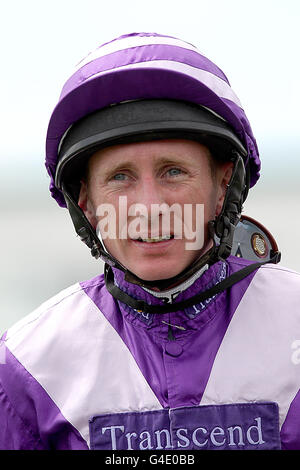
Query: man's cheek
[(106, 222), (194, 226)]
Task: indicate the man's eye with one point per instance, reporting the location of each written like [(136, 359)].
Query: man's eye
[(174, 172), (120, 177)]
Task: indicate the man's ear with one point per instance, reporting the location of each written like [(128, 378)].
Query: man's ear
[(224, 175), (86, 205)]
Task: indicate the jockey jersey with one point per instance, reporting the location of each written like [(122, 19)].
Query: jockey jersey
[(85, 371)]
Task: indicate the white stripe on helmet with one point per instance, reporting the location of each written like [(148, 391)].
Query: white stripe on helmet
[(133, 41), (214, 83)]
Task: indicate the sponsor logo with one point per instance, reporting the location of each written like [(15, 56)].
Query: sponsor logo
[(235, 426), (161, 438)]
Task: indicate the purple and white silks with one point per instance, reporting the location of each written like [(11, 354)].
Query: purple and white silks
[(84, 371)]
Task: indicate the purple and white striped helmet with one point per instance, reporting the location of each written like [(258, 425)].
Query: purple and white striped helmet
[(145, 66)]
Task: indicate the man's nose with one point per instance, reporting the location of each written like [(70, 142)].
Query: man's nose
[(150, 192), (150, 206)]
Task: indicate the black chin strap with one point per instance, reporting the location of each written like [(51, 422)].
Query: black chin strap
[(141, 305)]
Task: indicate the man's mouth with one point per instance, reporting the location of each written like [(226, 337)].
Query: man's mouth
[(154, 239)]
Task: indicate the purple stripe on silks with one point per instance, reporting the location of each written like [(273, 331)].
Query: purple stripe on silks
[(138, 54), (163, 362), (290, 430), (36, 422), (213, 323)]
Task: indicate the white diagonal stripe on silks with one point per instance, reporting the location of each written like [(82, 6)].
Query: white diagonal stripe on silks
[(255, 359), (214, 83), (133, 41), (86, 373)]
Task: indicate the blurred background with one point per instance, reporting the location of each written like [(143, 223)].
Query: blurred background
[(255, 43)]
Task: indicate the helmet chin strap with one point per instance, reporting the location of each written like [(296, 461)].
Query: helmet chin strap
[(222, 227), (143, 306)]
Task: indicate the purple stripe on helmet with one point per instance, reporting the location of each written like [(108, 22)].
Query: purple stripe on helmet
[(160, 362), (32, 410), (139, 54)]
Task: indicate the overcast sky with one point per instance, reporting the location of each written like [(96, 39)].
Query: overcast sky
[(255, 43)]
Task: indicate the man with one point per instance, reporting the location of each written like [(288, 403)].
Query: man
[(179, 345)]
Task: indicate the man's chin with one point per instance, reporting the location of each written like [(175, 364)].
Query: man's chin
[(163, 268), (156, 274)]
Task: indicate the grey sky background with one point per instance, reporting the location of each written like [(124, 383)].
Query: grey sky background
[(255, 43)]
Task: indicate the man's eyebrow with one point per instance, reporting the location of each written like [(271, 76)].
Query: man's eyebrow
[(169, 160), (127, 165)]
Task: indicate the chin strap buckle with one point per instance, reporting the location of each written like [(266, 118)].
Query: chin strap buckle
[(226, 240)]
